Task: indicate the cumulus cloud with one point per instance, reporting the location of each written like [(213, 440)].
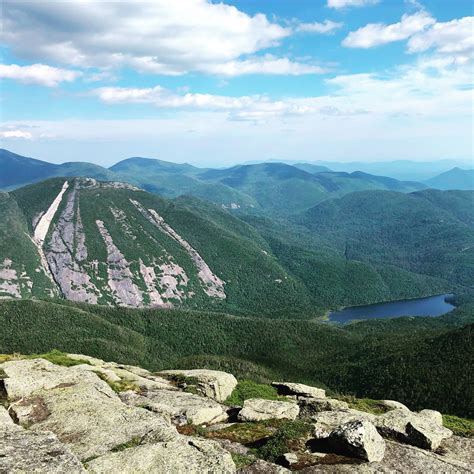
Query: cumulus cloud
[(159, 37), (454, 36), (350, 3), (37, 74), (327, 26), (16, 134), (375, 34)]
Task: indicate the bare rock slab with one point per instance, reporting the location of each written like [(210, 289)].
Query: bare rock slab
[(23, 451), (299, 390), (257, 409), (309, 407), (263, 467), (180, 407), (211, 383), (189, 455)]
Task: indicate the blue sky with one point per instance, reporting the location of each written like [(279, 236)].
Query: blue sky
[(216, 83)]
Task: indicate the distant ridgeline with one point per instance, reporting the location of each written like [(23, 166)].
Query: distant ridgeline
[(112, 243)]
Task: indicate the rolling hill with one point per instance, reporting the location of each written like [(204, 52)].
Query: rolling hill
[(455, 178), (274, 189)]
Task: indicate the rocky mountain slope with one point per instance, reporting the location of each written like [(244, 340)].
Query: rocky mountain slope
[(73, 413), (111, 243)]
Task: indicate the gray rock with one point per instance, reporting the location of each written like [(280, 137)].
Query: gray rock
[(257, 409), (458, 449), (311, 406), (327, 421), (190, 455), (5, 419), (211, 383), (358, 439), (180, 407), (288, 459), (23, 451), (263, 467), (80, 408), (392, 405), (422, 430), (432, 415), (299, 389)]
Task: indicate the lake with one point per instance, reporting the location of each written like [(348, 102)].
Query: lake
[(429, 306)]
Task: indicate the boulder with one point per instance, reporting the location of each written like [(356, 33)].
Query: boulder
[(327, 421), (392, 405), (263, 467), (257, 409), (288, 459), (432, 415), (108, 374), (190, 455), (91, 360), (358, 439), (181, 407), (24, 451), (211, 383), (311, 406), (299, 390), (422, 430)]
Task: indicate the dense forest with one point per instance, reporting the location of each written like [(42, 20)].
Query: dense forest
[(423, 362)]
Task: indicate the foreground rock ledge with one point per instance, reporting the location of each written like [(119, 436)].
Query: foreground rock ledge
[(105, 417)]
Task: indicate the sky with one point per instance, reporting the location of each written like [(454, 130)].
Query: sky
[(217, 83)]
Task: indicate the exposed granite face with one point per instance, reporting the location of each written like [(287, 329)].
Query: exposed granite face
[(76, 419), (212, 284)]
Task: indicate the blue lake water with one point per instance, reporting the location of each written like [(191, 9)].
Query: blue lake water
[(430, 306)]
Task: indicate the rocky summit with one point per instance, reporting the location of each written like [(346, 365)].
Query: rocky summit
[(82, 414)]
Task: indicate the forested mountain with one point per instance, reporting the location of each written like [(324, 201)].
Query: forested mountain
[(17, 170), (112, 243), (424, 232), (423, 362), (274, 189), (455, 178)]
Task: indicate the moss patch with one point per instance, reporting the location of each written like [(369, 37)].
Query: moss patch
[(58, 358), (135, 441), (376, 407), (459, 426), (242, 460)]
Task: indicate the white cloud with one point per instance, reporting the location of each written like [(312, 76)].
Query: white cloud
[(267, 64), (327, 26), (37, 74), (350, 3), (16, 134), (159, 37), (433, 87), (456, 36), (375, 34)]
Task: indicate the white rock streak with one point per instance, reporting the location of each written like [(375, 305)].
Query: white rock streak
[(212, 285), (42, 228)]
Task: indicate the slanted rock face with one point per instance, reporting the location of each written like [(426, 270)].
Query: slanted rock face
[(257, 409), (181, 407), (423, 430), (359, 439), (299, 390), (327, 421), (211, 383), (175, 457)]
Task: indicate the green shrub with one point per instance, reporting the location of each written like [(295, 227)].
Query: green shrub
[(289, 435)]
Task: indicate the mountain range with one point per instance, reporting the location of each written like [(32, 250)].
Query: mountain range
[(275, 189)]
